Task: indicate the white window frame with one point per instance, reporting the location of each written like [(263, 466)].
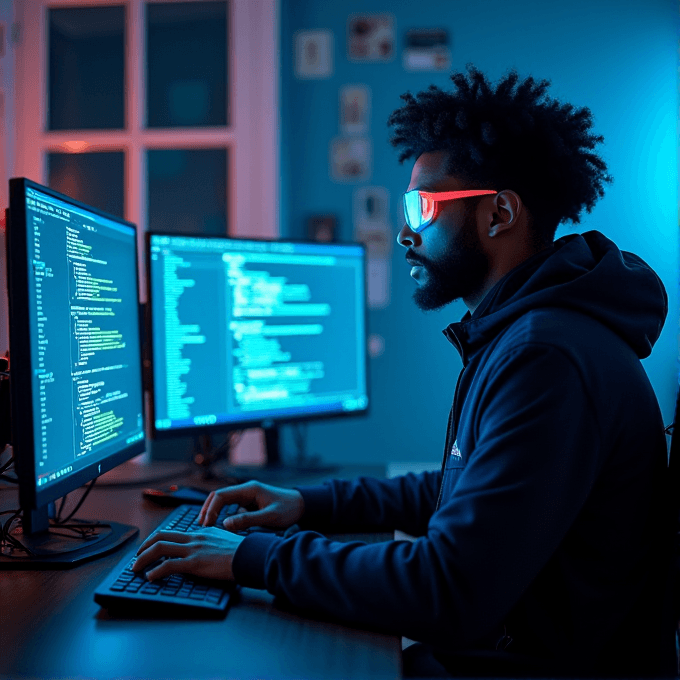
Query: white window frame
[(251, 137)]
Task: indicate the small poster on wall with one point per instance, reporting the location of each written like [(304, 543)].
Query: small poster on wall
[(371, 204), (427, 49), (370, 37), (313, 54), (350, 159), (371, 209), (371, 220), (354, 109)]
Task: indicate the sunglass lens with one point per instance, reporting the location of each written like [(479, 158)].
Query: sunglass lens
[(412, 211)]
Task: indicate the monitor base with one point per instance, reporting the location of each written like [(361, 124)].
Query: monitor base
[(58, 549)]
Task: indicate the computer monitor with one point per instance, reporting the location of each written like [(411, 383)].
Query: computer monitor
[(75, 361), (248, 333)]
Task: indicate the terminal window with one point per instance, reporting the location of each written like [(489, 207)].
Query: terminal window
[(84, 326), (248, 330)]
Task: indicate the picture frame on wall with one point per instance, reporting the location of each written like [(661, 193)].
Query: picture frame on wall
[(371, 37), (350, 159), (355, 101), (427, 50), (313, 54)]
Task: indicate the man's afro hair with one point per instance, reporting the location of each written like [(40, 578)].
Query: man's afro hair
[(511, 137)]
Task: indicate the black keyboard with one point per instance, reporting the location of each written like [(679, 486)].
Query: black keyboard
[(125, 590)]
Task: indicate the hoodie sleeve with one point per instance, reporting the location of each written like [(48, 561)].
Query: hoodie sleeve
[(368, 504), (513, 503)]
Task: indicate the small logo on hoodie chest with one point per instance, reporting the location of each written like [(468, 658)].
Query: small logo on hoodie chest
[(455, 453)]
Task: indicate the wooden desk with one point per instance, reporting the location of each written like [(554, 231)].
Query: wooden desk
[(50, 625)]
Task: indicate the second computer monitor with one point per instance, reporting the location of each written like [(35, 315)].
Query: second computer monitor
[(250, 332)]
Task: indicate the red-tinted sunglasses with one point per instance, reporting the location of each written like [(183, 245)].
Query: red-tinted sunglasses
[(420, 207)]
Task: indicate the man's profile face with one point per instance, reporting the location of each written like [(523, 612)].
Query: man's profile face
[(448, 258)]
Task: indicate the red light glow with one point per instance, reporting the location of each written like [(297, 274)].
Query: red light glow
[(75, 146)]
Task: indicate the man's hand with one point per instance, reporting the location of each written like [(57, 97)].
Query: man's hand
[(261, 505), (208, 553)]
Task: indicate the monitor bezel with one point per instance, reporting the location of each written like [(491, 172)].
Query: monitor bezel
[(224, 427), (21, 388)]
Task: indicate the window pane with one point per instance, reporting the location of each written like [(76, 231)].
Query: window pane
[(188, 190), (86, 68), (186, 47), (93, 178)]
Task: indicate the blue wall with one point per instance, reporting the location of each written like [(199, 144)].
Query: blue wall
[(617, 58)]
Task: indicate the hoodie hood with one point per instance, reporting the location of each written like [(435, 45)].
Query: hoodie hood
[(586, 273)]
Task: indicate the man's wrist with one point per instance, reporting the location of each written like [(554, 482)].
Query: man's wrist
[(318, 506), (250, 559)]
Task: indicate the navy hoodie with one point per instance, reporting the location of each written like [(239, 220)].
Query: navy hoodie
[(546, 534)]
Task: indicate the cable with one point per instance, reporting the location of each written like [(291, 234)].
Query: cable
[(85, 530), (14, 513), (6, 466), (204, 457), (7, 541), (61, 522), (61, 506), (207, 461), (300, 436)]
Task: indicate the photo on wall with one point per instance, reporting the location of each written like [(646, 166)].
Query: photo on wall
[(427, 49), (350, 159), (313, 54), (370, 37), (355, 102)]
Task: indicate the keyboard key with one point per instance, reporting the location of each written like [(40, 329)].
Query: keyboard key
[(151, 588)]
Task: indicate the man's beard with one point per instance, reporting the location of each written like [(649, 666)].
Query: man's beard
[(459, 274)]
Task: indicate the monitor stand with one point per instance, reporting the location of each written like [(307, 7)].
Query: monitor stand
[(55, 547), (275, 471)]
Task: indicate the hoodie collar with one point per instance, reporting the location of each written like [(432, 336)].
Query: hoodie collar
[(580, 272)]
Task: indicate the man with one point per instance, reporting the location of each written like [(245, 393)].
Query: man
[(543, 544)]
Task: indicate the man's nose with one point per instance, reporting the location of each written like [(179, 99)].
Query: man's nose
[(407, 237)]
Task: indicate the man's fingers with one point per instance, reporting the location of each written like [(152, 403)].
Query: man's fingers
[(243, 494), (172, 536), (205, 506), (174, 566), (245, 520), (158, 550)]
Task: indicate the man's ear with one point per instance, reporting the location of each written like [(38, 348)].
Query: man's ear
[(507, 210)]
